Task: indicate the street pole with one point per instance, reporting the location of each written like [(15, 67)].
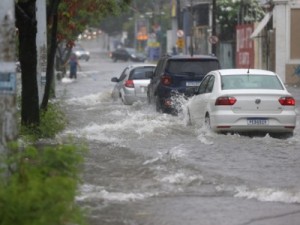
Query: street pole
[(174, 23), (8, 124), (192, 30), (41, 45), (214, 33)]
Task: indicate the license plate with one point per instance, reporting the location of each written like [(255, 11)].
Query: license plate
[(193, 83), (257, 121)]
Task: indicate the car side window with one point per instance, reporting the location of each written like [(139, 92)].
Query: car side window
[(203, 85), (210, 85), (124, 74)]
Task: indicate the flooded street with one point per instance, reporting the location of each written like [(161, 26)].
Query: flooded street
[(147, 168)]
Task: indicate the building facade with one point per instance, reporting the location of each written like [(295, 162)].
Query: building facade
[(286, 18), (280, 49)]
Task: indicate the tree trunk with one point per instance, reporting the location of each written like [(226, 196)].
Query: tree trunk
[(27, 26), (51, 53)]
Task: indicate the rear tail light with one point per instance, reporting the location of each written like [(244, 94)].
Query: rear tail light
[(225, 101), (289, 101), (129, 84), (166, 80), (168, 102)]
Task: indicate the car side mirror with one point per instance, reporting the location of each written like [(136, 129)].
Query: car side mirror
[(114, 79), (149, 74)]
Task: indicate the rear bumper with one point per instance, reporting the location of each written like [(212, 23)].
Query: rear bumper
[(277, 123), (130, 97)]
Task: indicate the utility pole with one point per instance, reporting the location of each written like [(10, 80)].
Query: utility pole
[(214, 32), (41, 45), (8, 90)]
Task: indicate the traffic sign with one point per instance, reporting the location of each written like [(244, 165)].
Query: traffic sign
[(180, 33), (180, 43), (213, 39)]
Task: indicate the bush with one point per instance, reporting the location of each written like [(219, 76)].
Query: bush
[(52, 122), (38, 186)]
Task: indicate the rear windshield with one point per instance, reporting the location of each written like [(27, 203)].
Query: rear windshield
[(140, 73), (192, 67), (251, 82)]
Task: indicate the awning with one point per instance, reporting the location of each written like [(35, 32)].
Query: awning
[(261, 25)]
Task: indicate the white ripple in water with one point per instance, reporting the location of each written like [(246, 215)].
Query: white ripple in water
[(268, 195), (92, 192), (91, 99), (94, 131)]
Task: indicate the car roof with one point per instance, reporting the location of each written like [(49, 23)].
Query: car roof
[(192, 57), (225, 72), (133, 66)]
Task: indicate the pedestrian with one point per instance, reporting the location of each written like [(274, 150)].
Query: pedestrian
[(73, 63)]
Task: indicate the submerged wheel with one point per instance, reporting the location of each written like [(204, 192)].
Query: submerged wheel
[(207, 122), (189, 120), (158, 104)]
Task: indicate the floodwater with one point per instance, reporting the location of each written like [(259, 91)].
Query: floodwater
[(147, 168)]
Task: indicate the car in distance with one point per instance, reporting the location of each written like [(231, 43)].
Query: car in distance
[(178, 75), (243, 100), (81, 53), (132, 84), (127, 54)]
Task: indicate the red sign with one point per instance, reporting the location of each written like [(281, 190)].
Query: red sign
[(244, 46)]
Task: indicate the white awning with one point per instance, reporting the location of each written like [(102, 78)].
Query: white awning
[(261, 25)]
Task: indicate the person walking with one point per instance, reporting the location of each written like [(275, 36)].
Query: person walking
[(73, 63)]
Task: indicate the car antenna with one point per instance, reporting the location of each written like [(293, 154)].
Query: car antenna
[(248, 71)]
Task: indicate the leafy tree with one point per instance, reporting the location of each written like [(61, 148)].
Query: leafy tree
[(66, 20), (233, 12)]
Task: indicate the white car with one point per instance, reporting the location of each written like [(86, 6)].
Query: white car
[(243, 100), (133, 82), (81, 53)]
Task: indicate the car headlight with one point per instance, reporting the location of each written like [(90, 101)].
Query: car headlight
[(133, 55)]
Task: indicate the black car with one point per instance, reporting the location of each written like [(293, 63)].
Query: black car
[(178, 75), (127, 54)]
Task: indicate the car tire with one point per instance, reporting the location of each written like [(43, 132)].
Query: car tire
[(207, 122), (148, 98), (123, 99), (158, 105), (189, 120), (281, 135)]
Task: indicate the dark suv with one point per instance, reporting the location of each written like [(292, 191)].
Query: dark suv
[(178, 75)]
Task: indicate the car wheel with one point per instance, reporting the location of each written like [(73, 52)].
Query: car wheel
[(115, 59), (282, 135), (158, 104), (207, 122), (189, 120), (148, 98)]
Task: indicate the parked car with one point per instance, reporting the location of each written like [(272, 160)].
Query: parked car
[(80, 52), (178, 75), (132, 84), (127, 54), (243, 100)]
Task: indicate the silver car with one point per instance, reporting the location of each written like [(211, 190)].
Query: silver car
[(133, 82), (243, 100), (81, 53)]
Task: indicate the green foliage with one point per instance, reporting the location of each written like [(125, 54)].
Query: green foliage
[(38, 186), (52, 122), (233, 12)]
